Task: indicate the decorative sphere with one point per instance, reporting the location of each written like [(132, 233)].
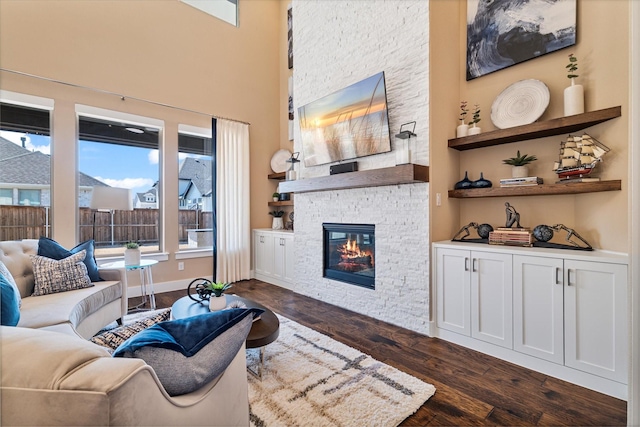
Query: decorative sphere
[(543, 233), (484, 230)]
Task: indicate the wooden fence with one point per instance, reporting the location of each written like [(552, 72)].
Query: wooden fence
[(140, 225)]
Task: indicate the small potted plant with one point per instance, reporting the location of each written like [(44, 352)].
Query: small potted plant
[(217, 300), (474, 130), (574, 94), (277, 223), (463, 128), (131, 253), (519, 164), (276, 196)]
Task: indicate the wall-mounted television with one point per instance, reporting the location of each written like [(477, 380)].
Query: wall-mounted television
[(352, 122)]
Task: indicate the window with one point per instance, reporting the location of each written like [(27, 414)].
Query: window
[(120, 154), (29, 197), (24, 146), (195, 188)]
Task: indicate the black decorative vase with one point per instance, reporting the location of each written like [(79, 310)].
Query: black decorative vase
[(465, 183), (481, 183)]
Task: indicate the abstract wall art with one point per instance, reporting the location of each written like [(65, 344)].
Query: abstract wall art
[(502, 33)]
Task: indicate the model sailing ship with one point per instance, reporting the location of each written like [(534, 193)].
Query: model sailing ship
[(578, 158)]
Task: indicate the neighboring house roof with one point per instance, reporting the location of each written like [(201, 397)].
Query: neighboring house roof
[(21, 166), (198, 171), (142, 196)]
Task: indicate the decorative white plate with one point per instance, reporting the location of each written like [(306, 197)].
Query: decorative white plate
[(279, 160), (521, 103)]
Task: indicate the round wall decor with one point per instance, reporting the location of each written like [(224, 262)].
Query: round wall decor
[(522, 103), (279, 160)]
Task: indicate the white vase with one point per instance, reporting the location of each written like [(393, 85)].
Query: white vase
[(275, 199), (474, 130), (277, 224), (573, 99), (132, 257), (217, 303), (462, 130), (519, 171)]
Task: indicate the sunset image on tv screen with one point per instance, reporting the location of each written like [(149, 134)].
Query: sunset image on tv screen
[(350, 123)]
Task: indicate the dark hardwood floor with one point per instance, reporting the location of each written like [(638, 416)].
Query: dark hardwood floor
[(471, 388)]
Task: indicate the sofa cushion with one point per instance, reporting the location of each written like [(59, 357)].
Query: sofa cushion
[(68, 307), (51, 249), (112, 338), (52, 276), (4, 272), (188, 353), (9, 307), (16, 255)]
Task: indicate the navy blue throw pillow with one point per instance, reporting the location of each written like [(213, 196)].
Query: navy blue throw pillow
[(51, 249), (9, 308)]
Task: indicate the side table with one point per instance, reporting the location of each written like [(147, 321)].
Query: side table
[(146, 280)]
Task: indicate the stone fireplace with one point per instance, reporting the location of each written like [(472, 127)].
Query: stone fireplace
[(349, 253), (400, 214)]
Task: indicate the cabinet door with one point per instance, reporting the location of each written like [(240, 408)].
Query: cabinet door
[(595, 303), (264, 254), (538, 328), (279, 254), (491, 298), (452, 287), (289, 260)]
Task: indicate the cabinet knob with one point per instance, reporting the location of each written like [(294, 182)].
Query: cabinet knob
[(466, 264), (558, 276), (569, 277), (474, 266)]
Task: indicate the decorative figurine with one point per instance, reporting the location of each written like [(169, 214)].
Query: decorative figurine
[(544, 233), (513, 217), (482, 230)]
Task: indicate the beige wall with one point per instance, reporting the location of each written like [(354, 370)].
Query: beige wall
[(162, 51), (602, 50)]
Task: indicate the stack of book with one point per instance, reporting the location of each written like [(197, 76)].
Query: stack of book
[(511, 237), (519, 182)]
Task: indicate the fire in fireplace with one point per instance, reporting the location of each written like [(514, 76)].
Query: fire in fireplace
[(349, 253)]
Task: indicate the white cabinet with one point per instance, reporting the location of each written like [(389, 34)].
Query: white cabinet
[(474, 294), (538, 312), (273, 256), (560, 312), (595, 313), (572, 312)]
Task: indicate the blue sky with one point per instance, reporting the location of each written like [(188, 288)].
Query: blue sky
[(115, 165)]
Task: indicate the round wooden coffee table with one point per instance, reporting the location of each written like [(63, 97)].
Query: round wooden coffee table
[(264, 331)]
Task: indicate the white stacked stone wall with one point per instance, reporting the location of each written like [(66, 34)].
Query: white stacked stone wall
[(337, 43), (400, 214)]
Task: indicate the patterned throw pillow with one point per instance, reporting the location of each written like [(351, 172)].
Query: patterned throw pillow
[(52, 276), (52, 249), (4, 271), (114, 337)]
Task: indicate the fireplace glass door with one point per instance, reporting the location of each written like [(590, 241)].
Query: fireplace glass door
[(349, 253)]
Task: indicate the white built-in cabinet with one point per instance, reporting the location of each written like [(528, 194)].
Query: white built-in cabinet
[(562, 312), (273, 256)]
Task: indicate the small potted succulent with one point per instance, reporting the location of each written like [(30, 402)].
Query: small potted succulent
[(276, 196), (277, 223), (217, 300), (519, 164), (131, 253)]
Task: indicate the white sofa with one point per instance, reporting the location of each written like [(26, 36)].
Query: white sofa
[(51, 375), (82, 311)]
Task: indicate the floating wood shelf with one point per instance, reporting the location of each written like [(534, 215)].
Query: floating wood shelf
[(282, 203), (538, 190), (277, 175), (536, 130), (402, 174)]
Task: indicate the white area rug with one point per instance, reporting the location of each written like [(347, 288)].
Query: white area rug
[(313, 380)]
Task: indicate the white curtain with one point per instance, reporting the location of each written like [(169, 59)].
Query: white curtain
[(232, 201)]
